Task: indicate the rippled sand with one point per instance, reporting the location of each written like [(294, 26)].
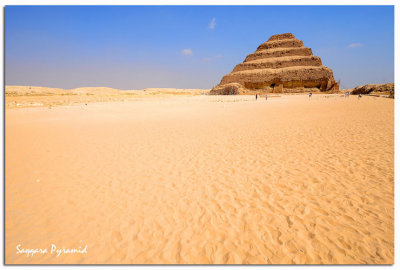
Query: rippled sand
[(202, 180)]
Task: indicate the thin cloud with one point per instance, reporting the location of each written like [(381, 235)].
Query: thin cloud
[(187, 52), (207, 59), (355, 45), (219, 56), (212, 23)]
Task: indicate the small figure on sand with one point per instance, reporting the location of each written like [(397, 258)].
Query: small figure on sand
[(309, 95), (347, 94), (256, 96), (359, 96), (266, 96)]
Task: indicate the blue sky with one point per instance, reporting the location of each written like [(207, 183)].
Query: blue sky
[(135, 47)]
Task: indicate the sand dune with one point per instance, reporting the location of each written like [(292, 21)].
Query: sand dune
[(203, 179)]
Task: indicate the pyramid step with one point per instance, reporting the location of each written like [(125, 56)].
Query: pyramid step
[(310, 76), (281, 36), (279, 62), (285, 43), (279, 52)]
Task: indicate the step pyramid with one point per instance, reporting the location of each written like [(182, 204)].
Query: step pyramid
[(282, 64)]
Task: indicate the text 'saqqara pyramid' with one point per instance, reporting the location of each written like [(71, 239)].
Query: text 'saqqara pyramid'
[(282, 64)]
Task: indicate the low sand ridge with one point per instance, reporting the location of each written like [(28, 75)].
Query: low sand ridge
[(33, 96)]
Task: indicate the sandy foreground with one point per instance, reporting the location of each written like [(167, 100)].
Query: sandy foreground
[(202, 179)]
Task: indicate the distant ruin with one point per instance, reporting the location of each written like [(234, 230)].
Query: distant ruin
[(280, 65)]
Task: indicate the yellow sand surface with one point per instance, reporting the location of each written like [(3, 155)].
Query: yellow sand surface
[(202, 180)]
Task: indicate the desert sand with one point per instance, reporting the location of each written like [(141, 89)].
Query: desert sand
[(201, 180), (34, 96)]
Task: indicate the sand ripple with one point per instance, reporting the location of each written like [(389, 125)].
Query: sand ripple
[(192, 180)]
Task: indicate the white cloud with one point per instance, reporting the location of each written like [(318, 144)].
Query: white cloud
[(187, 52), (355, 45), (212, 23)]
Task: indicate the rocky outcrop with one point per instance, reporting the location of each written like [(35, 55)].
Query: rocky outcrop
[(282, 64), (384, 88)]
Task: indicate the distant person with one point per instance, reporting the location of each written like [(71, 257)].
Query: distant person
[(256, 96), (266, 96), (309, 95), (359, 96), (347, 94)]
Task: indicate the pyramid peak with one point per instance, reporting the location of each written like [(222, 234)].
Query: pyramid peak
[(281, 36)]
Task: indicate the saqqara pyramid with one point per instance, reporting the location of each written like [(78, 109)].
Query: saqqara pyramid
[(282, 64)]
